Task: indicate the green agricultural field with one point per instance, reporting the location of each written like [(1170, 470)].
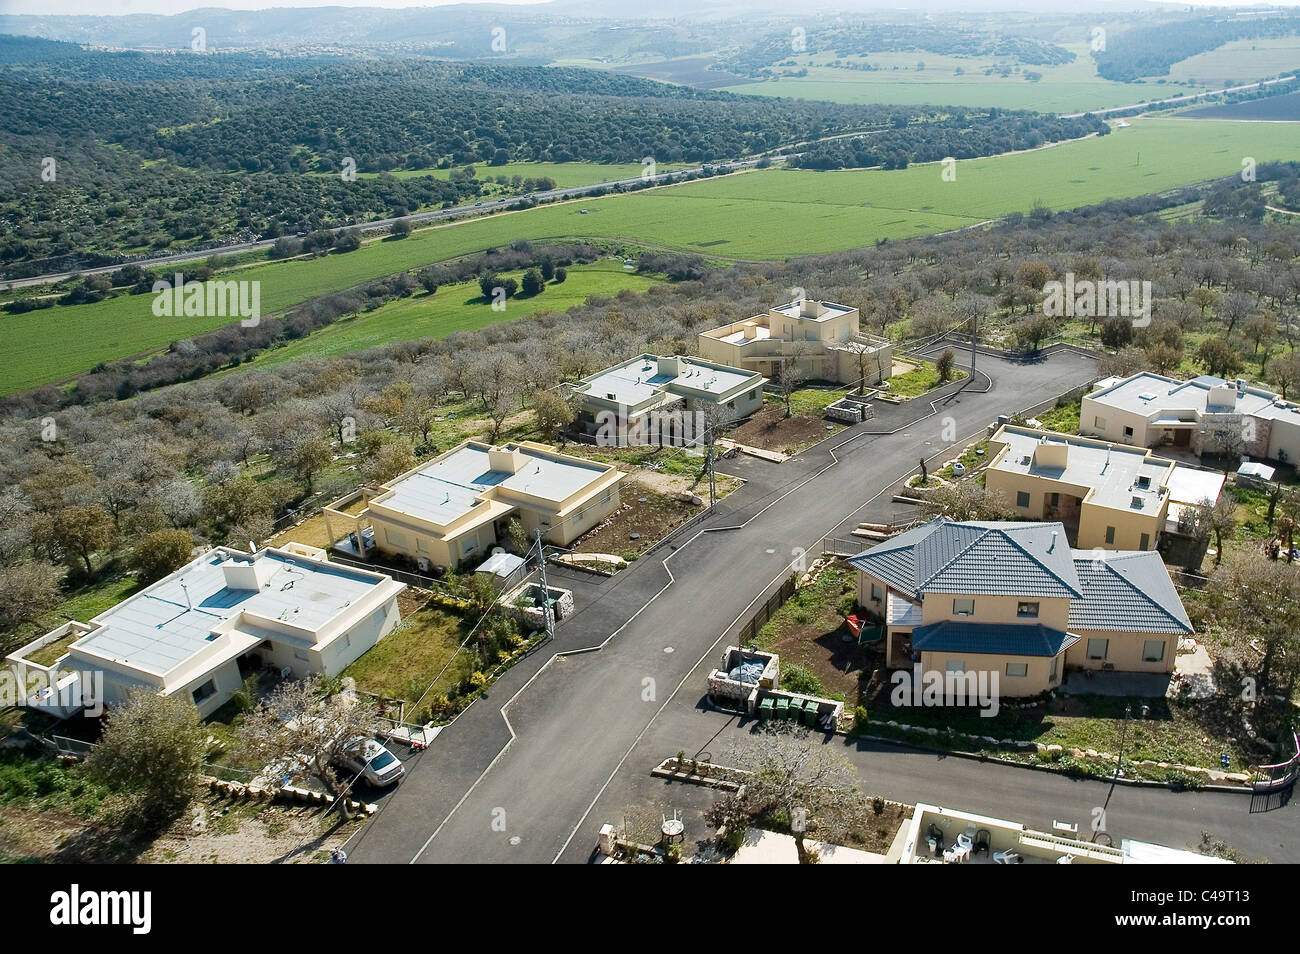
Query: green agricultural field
[(1068, 88), (765, 214), (454, 308), (1240, 61)]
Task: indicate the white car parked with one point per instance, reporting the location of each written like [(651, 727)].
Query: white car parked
[(373, 762)]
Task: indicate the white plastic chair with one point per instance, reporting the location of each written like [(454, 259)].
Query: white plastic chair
[(1007, 857)]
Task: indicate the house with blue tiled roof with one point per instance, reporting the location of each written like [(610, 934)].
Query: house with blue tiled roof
[(1014, 598)]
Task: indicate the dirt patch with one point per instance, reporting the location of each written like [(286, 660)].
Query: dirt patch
[(809, 631), (212, 830), (770, 429), (649, 514)]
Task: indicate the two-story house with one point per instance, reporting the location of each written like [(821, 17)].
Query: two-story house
[(824, 339), (1014, 599)]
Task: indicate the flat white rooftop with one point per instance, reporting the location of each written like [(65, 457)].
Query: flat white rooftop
[(1115, 471), (761, 333), (640, 379), (165, 624), (1191, 485), (810, 310), (1160, 398), (446, 488)]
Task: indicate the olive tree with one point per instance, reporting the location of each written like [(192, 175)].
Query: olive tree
[(152, 746)]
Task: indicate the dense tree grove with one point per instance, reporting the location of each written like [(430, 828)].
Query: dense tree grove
[(962, 135), (861, 39), (210, 150), (1150, 49)]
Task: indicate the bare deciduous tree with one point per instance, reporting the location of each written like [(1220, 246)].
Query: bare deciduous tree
[(303, 729)]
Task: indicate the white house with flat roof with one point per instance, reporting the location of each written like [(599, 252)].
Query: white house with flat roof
[(653, 399), (823, 338), (936, 835), (197, 631), (457, 506), (1149, 410)]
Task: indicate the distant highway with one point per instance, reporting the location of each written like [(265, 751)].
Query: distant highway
[(1175, 100), (477, 210)]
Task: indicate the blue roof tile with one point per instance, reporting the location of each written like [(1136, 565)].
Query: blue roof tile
[(999, 639)]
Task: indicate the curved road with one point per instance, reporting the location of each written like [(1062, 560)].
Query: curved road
[(566, 738)]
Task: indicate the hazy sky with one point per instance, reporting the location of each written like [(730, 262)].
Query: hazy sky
[(124, 7)]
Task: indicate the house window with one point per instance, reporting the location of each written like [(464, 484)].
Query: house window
[(300, 654), (1100, 423), (731, 404), (1055, 500), (1027, 610), (1110, 534), (955, 665), (876, 593), (1145, 542), (1153, 650), (1097, 648), (421, 545), (395, 539), (1128, 432), (205, 691), (1051, 673), (1017, 670), (604, 498), (964, 606), (1022, 500)]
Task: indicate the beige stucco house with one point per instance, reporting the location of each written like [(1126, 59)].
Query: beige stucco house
[(1106, 495), (198, 632), (653, 399), (1149, 410), (824, 339), (1014, 600), (456, 507)]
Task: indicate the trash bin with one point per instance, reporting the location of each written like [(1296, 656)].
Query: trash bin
[(810, 709), (782, 708), (766, 709)]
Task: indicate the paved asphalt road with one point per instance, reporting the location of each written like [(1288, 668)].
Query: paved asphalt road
[(517, 776)]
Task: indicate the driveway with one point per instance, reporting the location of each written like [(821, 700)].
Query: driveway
[(516, 777)]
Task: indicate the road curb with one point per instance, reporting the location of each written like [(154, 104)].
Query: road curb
[(1037, 767)]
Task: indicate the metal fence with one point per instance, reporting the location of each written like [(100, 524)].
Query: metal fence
[(64, 745), (1282, 775)]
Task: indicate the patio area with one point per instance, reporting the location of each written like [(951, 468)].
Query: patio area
[(1093, 682)]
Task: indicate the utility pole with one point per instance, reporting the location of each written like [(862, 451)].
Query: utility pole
[(708, 461), (974, 335), (547, 614)]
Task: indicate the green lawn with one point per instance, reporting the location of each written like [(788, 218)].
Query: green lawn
[(455, 308), (772, 213), (404, 663), (1072, 87), (1064, 419), (919, 380)]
